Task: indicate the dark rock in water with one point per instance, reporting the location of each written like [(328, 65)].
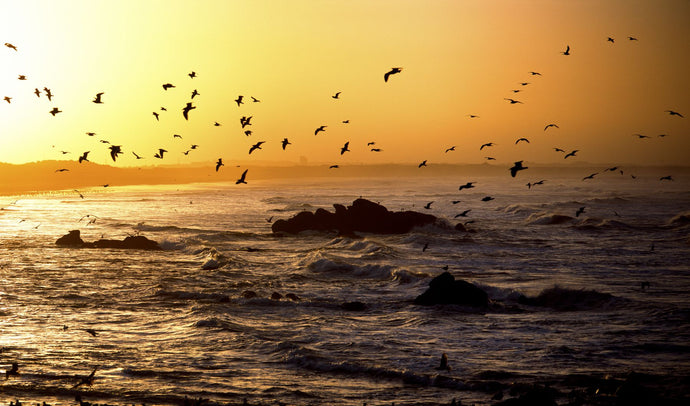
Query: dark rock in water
[(249, 294), (71, 238), (132, 242), (445, 289), (293, 297), (354, 306), (568, 299), (362, 216)]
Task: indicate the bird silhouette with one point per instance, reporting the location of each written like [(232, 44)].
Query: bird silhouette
[(337, 95), (245, 121), (216, 124), (195, 93), (321, 128), (219, 163), (333, 167), (590, 176), (248, 133), (160, 153), (194, 146), (83, 156), (14, 371), (285, 143), (256, 146), (487, 198), (668, 177), (137, 156), (524, 83), (90, 134), (463, 214), (8, 45), (54, 111), (185, 110), (488, 144), (611, 169), (674, 113), (87, 380), (551, 125), (97, 99), (579, 211), (571, 153), (611, 40), (423, 163), (21, 77), (115, 150), (167, 86), (393, 71), (192, 74), (37, 93), (468, 185), (7, 99), (346, 121), (567, 50), (522, 139), (49, 95), (155, 114), (632, 39), (559, 150), (472, 116), (428, 206), (62, 170), (641, 136), (516, 168), (489, 158), (344, 148), (512, 101), (450, 149), (177, 136), (255, 100), (242, 178), (376, 150), (239, 100), (535, 73)]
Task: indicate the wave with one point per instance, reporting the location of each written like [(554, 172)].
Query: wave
[(593, 223), (192, 295), (548, 219), (566, 299), (371, 271), (680, 219)]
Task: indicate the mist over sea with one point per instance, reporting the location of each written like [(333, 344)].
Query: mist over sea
[(184, 321)]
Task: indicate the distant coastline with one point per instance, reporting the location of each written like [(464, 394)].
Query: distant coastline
[(45, 176)]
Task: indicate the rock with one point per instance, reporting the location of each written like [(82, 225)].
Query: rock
[(362, 216), (565, 299), (354, 306), (132, 242), (71, 238), (445, 289)]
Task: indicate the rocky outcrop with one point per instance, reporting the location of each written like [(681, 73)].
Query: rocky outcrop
[(73, 239), (445, 289), (362, 216)]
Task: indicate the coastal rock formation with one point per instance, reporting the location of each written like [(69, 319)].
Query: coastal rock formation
[(73, 239), (445, 289), (363, 216)]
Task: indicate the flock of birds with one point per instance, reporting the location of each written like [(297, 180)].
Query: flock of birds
[(245, 121)]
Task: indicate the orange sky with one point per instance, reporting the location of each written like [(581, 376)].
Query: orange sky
[(458, 58)]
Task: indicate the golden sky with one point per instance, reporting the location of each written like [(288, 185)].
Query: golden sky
[(458, 58)]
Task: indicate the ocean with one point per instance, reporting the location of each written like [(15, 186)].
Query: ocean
[(229, 312)]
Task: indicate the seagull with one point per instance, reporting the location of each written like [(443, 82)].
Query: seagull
[(137, 156), (186, 152), (611, 40), (7, 99), (428, 206), (524, 83), (242, 178), (333, 167), (15, 366), (393, 71), (90, 134), (488, 144), (517, 167), (245, 121), (219, 164), (535, 73), (487, 198), (346, 121), (426, 246), (371, 143), (192, 74), (472, 116), (640, 136), (87, 380), (571, 153), (248, 133), (160, 153), (344, 148), (49, 95), (611, 169), (216, 124), (551, 125), (256, 146), (54, 111), (167, 86), (558, 150), (674, 113), (567, 50), (255, 100), (467, 185), (82, 196), (194, 146), (155, 114), (522, 139), (337, 95), (376, 150), (285, 143), (489, 158), (21, 77), (8, 45), (83, 157), (423, 163), (668, 177), (195, 93), (239, 100), (463, 214), (61, 170), (321, 128), (186, 109), (579, 211), (104, 141), (632, 38), (37, 93), (115, 150), (450, 149), (591, 176), (177, 136), (97, 99), (456, 201)]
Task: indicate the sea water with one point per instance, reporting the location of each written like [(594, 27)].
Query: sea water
[(208, 316)]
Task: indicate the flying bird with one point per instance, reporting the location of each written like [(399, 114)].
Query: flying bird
[(512, 101), (192, 74), (344, 149), (195, 93), (579, 211), (239, 100), (571, 153), (463, 214), (177, 136), (167, 86), (333, 167), (522, 139), (245, 121), (321, 128), (567, 50), (489, 158), (97, 99), (186, 109), (87, 380), (641, 136), (488, 144), (346, 121), (248, 133), (611, 40), (423, 163), (668, 177), (155, 114), (54, 111), (8, 45), (82, 196), (62, 170), (558, 150), (37, 93), (14, 371), (376, 150), (468, 185), (90, 134), (535, 73), (487, 198), (428, 206), (551, 125), (21, 77), (632, 39), (219, 163), (393, 71), (516, 168), (255, 100), (242, 178), (472, 116), (7, 99), (137, 156), (285, 143), (115, 150), (49, 95), (160, 153), (674, 113), (337, 95), (83, 157), (256, 146), (194, 146), (590, 176), (216, 124), (450, 149)]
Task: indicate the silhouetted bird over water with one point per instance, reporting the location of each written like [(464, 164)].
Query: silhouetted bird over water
[(219, 163), (516, 168), (674, 113), (571, 153), (423, 163), (467, 185), (579, 211), (242, 178)]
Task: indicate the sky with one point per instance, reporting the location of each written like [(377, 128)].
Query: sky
[(458, 58)]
